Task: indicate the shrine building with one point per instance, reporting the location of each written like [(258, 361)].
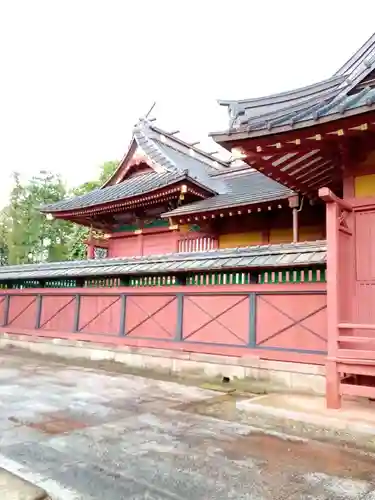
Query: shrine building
[(259, 265)]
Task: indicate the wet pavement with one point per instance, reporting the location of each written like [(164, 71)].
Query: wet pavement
[(92, 434)]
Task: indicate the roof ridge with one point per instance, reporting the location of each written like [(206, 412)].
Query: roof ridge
[(187, 145), (237, 171), (357, 57), (258, 101), (150, 149), (289, 110)]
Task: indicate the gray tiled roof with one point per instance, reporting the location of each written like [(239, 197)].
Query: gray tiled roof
[(199, 171), (243, 188), (309, 111), (330, 99), (173, 160), (134, 186), (265, 256)]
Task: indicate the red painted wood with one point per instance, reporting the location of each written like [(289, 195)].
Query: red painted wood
[(217, 319), (358, 354), (357, 326), (100, 314), (354, 369), (333, 398), (357, 390), (2, 309), (365, 246), (151, 316), (22, 311), (349, 339), (90, 251), (158, 244), (206, 290), (214, 321), (57, 312), (124, 247), (298, 322)]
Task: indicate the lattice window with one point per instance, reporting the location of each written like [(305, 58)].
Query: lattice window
[(100, 253)]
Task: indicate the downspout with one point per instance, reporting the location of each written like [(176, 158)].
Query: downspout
[(296, 208)]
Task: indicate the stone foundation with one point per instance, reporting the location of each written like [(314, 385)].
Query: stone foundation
[(291, 376)]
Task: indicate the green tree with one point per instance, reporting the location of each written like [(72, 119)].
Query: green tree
[(4, 230), (76, 246), (31, 236), (27, 235)]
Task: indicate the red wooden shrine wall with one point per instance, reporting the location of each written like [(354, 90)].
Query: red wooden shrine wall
[(148, 243), (273, 321)]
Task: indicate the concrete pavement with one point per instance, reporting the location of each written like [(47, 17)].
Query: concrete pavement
[(82, 433)]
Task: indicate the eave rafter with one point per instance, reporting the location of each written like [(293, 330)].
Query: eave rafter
[(171, 193), (324, 136), (303, 160), (261, 207)]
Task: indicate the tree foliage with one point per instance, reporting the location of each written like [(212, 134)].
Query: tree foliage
[(27, 236)]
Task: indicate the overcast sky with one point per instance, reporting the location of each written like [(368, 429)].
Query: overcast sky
[(76, 74)]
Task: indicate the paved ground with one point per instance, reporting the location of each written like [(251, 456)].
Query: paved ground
[(83, 433), (15, 488)]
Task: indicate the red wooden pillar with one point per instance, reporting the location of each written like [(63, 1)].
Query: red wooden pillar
[(333, 397), (177, 236), (90, 250), (337, 289), (141, 243)]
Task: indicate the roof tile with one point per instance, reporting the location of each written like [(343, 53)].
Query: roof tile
[(268, 256), (245, 188)]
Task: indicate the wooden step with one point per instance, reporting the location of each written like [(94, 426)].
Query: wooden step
[(350, 338), (360, 355), (357, 390), (356, 326)]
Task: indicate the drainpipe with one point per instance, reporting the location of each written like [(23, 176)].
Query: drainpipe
[(294, 204)]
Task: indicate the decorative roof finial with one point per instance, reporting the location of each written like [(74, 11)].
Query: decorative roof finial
[(150, 110)]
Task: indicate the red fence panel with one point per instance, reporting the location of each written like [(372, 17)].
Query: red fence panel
[(57, 312), (291, 322), (3, 309), (99, 314), (151, 316), (22, 311), (222, 319), (262, 319)]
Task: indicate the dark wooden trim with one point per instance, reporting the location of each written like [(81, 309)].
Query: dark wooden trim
[(77, 311), (122, 332), (38, 312), (180, 317), (252, 320)]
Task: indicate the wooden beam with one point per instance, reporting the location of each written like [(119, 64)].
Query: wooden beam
[(325, 136), (276, 173), (329, 197)]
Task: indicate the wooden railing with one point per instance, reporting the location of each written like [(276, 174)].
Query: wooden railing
[(197, 244), (312, 274)]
